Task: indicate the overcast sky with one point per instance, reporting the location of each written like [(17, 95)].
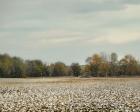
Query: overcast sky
[(69, 30)]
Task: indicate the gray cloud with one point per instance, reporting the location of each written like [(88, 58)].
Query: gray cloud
[(45, 7), (45, 27), (21, 10)]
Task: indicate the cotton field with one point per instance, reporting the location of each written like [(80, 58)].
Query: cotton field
[(70, 95)]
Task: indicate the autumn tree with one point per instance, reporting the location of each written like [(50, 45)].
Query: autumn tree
[(97, 65), (104, 65), (128, 65), (35, 68), (76, 69), (5, 65), (94, 63), (114, 64), (60, 69), (18, 67)]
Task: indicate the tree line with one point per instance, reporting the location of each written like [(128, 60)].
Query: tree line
[(98, 65)]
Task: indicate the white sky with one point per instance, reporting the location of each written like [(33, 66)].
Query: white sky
[(69, 30)]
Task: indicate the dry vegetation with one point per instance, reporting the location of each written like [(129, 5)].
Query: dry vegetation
[(70, 95)]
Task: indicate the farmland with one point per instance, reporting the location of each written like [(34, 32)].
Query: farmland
[(70, 95)]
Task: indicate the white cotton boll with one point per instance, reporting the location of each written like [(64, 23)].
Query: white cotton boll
[(116, 96)]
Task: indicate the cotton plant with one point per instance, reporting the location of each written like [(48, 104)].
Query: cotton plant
[(105, 96)]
